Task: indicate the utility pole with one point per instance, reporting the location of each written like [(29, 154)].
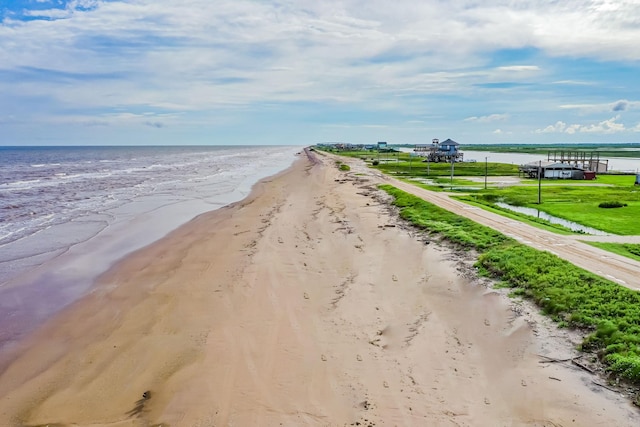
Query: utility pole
[(540, 182), (452, 161), (486, 170)]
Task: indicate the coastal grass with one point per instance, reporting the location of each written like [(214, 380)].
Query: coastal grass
[(570, 295), (460, 230)]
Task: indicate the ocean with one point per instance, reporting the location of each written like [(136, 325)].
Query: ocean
[(69, 213)]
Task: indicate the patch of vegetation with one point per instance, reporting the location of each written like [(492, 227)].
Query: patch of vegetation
[(609, 205), (344, 167), (568, 294), (457, 229)]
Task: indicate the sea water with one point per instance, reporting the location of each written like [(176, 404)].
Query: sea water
[(68, 213)]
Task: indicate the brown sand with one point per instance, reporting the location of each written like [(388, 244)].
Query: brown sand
[(300, 305)]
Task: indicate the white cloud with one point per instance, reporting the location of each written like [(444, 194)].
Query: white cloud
[(203, 56), (608, 126), (560, 126), (49, 13), (573, 83), (487, 119), (605, 126), (498, 131), (616, 106), (517, 68)]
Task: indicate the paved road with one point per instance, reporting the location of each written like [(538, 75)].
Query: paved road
[(622, 270)]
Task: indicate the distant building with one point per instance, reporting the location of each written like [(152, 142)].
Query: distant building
[(586, 160), (446, 151)]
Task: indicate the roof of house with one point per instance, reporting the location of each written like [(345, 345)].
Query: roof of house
[(562, 166), (542, 163), (449, 142)]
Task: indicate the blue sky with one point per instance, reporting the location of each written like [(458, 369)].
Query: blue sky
[(89, 72)]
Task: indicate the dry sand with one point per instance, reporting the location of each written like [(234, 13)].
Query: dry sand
[(305, 304)]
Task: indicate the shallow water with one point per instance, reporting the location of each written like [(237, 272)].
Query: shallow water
[(620, 164), (552, 219), (68, 213)]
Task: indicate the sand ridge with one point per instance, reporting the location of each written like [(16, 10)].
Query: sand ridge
[(305, 304)]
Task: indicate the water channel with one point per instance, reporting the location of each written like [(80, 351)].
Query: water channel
[(552, 219)]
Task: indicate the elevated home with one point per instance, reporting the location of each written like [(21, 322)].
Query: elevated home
[(446, 151), (587, 160)]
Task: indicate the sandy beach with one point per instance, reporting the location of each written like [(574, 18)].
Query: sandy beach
[(308, 303)]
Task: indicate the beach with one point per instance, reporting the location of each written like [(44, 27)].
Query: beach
[(307, 303)]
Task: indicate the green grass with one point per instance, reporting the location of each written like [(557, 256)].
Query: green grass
[(403, 164), (570, 295), (619, 180), (630, 250)]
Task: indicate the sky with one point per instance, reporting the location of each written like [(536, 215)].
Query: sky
[(91, 72)]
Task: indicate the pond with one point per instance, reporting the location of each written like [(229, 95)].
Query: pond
[(552, 219)]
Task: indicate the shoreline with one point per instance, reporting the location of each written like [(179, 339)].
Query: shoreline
[(31, 294), (305, 303)]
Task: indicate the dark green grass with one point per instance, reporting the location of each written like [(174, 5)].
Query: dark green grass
[(568, 294)]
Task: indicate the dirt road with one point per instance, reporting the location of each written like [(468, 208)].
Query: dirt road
[(617, 268)]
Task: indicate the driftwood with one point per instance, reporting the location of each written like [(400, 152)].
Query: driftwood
[(581, 366), (605, 386), (554, 378), (554, 360)]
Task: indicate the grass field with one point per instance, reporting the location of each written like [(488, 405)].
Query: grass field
[(575, 201)]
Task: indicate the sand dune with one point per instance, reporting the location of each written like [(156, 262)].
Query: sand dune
[(308, 303)]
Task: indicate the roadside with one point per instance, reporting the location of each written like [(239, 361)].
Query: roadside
[(611, 266)]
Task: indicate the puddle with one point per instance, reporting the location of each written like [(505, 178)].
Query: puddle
[(553, 219)]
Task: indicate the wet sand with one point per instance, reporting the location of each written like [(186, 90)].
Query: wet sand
[(308, 303)]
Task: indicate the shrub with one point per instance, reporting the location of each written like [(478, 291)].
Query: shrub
[(609, 205), (375, 163), (344, 167)]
